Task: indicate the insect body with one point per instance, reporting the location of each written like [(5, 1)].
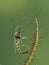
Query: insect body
[(18, 39)]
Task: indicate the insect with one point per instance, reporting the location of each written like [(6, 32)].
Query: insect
[(34, 43), (18, 39)]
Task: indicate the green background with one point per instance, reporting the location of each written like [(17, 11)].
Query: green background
[(12, 13)]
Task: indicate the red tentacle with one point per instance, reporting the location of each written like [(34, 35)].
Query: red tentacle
[(33, 45)]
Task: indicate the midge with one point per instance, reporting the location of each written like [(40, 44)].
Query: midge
[(18, 39)]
